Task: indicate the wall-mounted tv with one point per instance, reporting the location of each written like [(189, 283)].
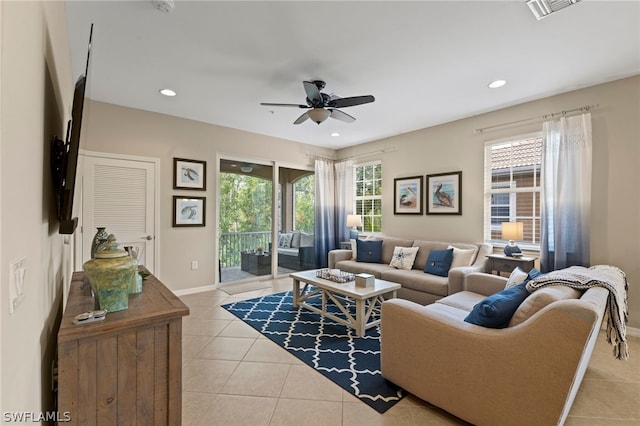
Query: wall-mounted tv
[(64, 156)]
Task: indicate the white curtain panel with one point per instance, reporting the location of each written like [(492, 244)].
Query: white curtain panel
[(344, 198), (566, 192), (325, 231)]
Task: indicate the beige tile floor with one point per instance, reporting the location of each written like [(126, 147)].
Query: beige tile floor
[(232, 375)]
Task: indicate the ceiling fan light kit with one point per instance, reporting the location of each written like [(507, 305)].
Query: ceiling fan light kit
[(318, 115), (321, 106)]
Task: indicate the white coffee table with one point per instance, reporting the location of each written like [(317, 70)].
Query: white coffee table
[(367, 299)]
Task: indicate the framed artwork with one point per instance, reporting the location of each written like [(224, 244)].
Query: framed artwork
[(444, 193), (188, 211), (189, 174), (407, 195)]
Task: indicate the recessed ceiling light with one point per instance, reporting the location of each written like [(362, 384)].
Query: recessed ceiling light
[(168, 92), (497, 83), (335, 134)]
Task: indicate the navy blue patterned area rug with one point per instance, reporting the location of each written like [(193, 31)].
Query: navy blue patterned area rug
[(329, 347)]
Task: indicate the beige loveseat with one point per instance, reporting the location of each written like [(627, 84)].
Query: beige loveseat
[(418, 286), (525, 374)]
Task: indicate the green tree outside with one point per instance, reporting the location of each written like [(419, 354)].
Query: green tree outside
[(245, 203), (304, 201)]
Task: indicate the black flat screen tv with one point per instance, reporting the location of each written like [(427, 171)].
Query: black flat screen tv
[(64, 156)]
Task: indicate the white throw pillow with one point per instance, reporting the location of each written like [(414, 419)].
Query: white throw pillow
[(517, 276), (306, 239), (403, 257), (462, 257), (295, 239), (285, 240)]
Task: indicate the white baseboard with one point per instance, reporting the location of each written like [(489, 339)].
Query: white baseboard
[(194, 290)]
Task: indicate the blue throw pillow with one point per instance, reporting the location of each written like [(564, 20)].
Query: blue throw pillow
[(369, 251), (439, 262), (533, 273), (496, 310)]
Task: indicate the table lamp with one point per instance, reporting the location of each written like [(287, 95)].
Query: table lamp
[(512, 231), (353, 221)]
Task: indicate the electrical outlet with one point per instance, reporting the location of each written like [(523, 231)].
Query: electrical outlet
[(194, 264)]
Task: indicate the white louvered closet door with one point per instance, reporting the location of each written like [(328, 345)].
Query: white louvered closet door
[(119, 195)]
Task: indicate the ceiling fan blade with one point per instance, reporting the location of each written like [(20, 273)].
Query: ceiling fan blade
[(301, 119), (342, 116), (351, 101), (284, 105), (313, 94)]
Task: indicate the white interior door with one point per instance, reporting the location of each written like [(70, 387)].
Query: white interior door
[(120, 195)]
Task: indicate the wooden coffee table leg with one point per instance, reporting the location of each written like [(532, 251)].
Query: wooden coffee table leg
[(296, 292), (360, 318)]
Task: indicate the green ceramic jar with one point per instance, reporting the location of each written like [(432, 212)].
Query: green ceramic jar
[(110, 275)]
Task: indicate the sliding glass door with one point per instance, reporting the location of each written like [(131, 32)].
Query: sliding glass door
[(246, 220), (296, 200)]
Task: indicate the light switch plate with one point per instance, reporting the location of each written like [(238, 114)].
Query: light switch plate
[(17, 272)]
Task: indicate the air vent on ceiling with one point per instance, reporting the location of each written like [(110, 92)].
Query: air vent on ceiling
[(543, 8)]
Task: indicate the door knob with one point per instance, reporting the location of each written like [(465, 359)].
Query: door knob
[(148, 238)]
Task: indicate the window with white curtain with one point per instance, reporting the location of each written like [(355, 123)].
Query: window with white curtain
[(367, 195), (512, 187)]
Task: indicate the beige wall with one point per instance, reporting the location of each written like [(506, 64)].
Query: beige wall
[(615, 216), (36, 91), (449, 147), (114, 129)]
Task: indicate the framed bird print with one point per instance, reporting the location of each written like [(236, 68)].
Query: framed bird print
[(188, 211), (189, 174), (407, 195), (444, 193)]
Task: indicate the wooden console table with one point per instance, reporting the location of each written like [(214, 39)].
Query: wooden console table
[(126, 369)]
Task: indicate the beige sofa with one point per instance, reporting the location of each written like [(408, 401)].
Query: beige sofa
[(417, 286), (525, 374)]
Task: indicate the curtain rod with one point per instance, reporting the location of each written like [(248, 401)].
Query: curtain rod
[(313, 156), (584, 108), (366, 154)]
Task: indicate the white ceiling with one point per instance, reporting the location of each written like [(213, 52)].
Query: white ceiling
[(426, 62)]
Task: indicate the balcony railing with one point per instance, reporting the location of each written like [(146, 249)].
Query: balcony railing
[(234, 243)]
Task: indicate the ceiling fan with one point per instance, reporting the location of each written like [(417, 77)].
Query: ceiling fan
[(321, 106)]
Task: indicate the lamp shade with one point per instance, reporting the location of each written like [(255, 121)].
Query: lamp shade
[(512, 231), (354, 220)]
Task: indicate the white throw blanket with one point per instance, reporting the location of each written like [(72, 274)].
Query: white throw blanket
[(607, 276)]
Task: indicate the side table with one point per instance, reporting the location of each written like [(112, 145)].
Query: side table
[(255, 264), (502, 263)]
